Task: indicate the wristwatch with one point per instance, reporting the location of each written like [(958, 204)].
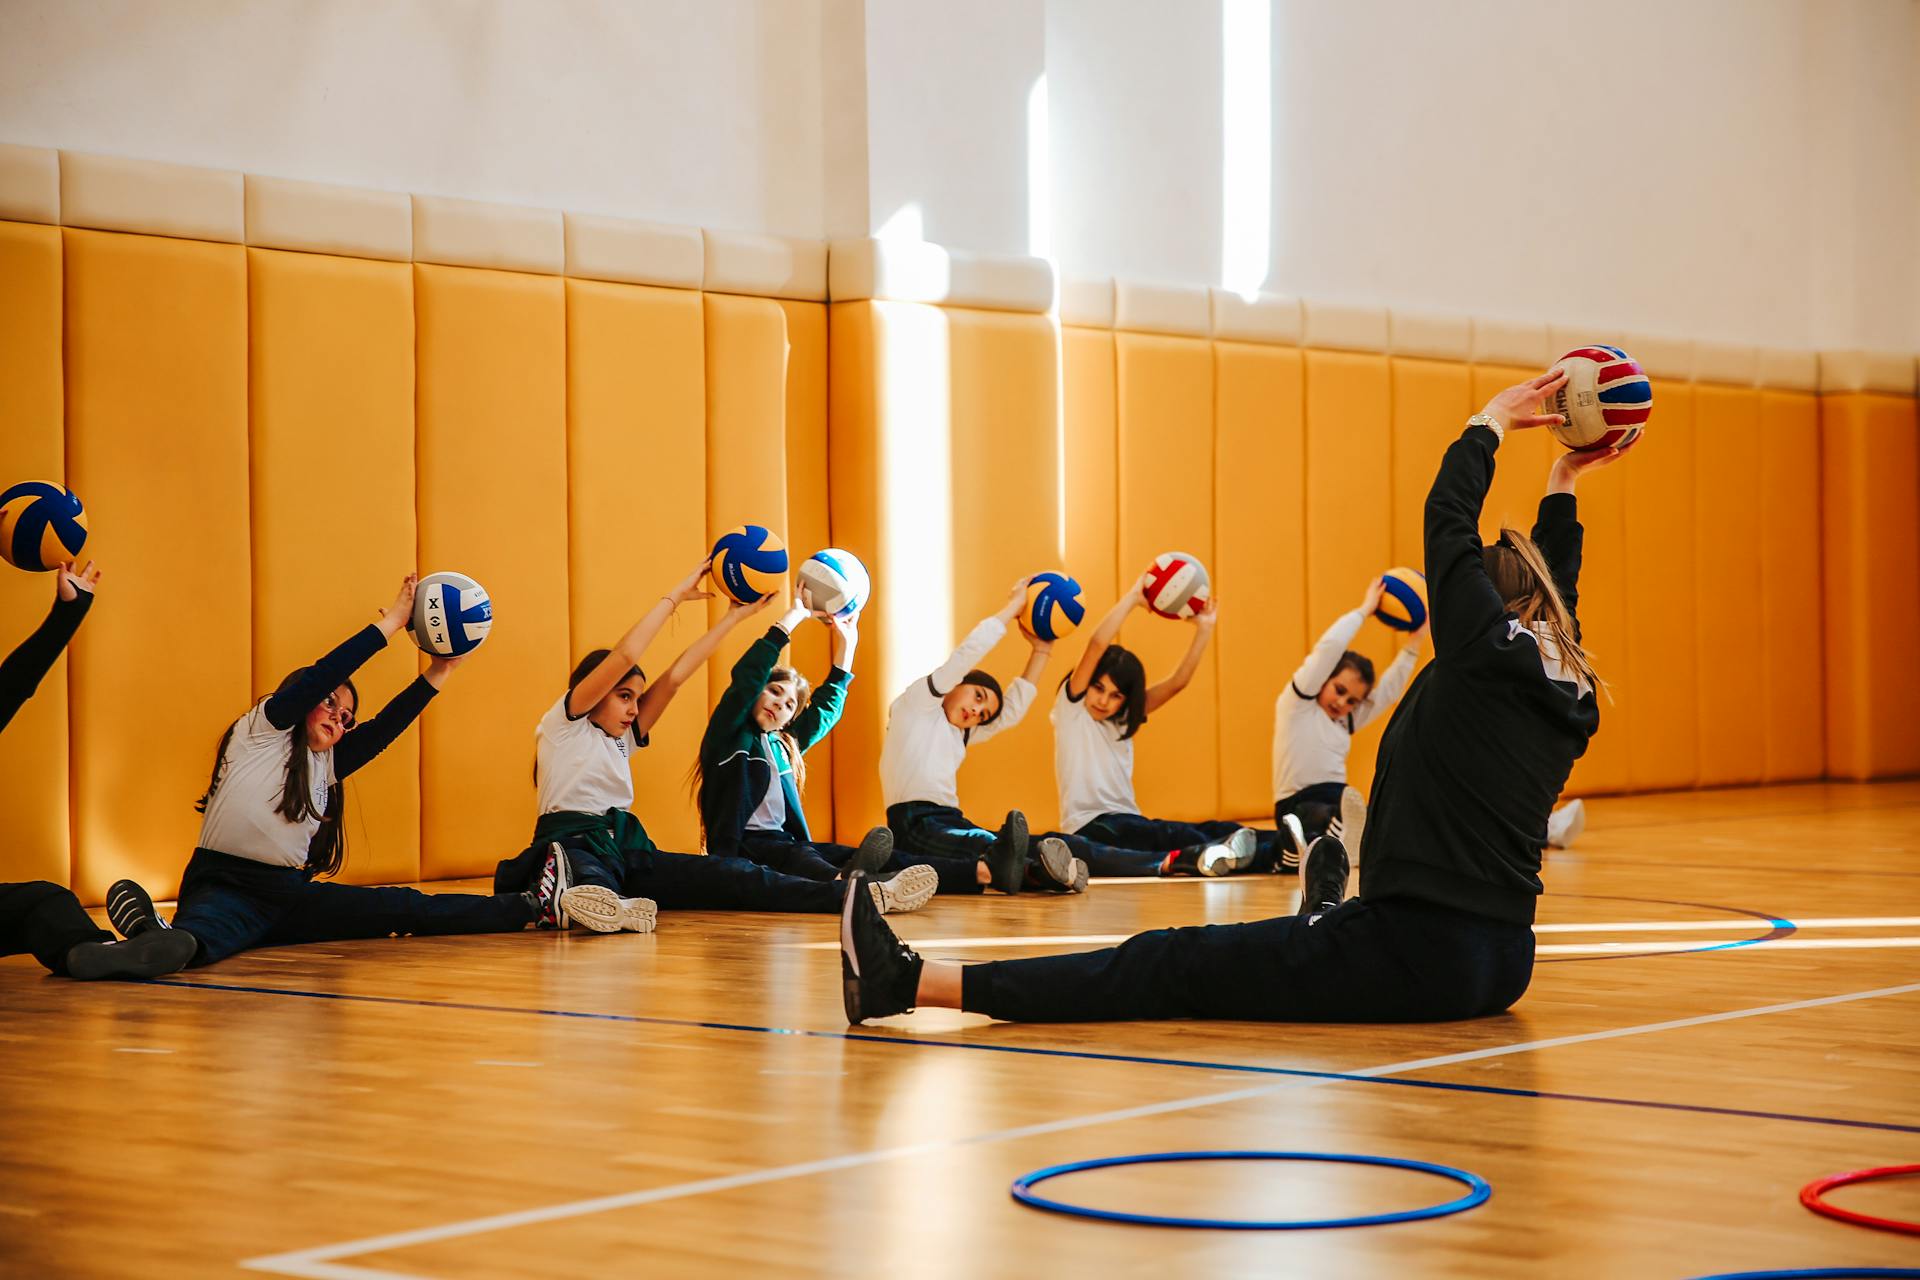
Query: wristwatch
[(1490, 422)]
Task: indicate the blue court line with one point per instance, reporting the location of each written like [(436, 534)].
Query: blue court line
[(1031, 1051)]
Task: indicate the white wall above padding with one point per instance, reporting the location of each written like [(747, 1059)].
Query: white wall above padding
[(1726, 363), (1429, 335), (765, 266), (1662, 356), (632, 252), (29, 184), (1161, 308), (915, 271), (1515, 342), (1266, 317), (1562, 338), (1886, 372), (469, 233), (1340, 326), (111, 193), (1087, 304), (1785, 369), (314, 217)]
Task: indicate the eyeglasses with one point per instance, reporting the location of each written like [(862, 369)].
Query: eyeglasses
[(338, 709)]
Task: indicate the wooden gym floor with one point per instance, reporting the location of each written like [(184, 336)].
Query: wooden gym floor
[(692, 1104)]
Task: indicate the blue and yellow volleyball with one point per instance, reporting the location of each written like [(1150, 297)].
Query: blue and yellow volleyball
[(1053, 607), (41, 525), (749, 563), (1403, 599)]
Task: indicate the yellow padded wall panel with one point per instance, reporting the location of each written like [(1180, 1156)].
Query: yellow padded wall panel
[(809, 526), (33, 749), (1661, 682), (1790, 619), (491, 469), (1432, 400), (636, 507), (1090, 454), (156, 383), (1260, 557), (1349, 510), (330, 396), (1520, 469), (1871, 472), (1727, 508), (1602, 505), (862, 510), (1165, 402)]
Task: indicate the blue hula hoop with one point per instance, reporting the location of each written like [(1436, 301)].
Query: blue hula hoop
[(1824, 1273), (1477, 1191)]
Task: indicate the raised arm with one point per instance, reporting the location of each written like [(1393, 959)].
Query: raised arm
[(830, 695), (1324, 658), (1557, 530), (369, 738), (1103, 636), (309, 685), (653, 703), (1203, 623), (750, 673), (626, 655), (26, 666), (978, 644)]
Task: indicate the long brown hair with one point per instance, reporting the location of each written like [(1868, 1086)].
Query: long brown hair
[(327, 852), (1525, 583), (802, 693)]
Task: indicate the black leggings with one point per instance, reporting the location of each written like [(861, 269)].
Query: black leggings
[(47, 920), (695, 882), (1131, 831), (778, 851), (1392, 961)]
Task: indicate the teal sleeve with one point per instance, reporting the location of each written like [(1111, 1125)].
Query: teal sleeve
[(750, 675), (823, 710)]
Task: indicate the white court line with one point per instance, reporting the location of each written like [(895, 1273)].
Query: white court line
[(318, 1263), (1779, 944)]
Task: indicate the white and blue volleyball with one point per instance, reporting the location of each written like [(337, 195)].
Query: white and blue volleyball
[(41, 525), (452, 614), (749, 562), (1054, 607), (836, 582)]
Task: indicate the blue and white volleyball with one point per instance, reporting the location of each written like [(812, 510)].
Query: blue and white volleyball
[(749, 562), (452, 614), (836, 582), (1054, 607), (41, 525)]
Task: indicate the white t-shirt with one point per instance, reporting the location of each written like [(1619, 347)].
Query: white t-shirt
[(772, 813), (579, 767), (1092, 763), (243, 817), (921, 757), (1308, 745)]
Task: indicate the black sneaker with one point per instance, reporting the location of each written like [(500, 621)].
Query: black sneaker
[(547, 891), (1323, 877), (1007, 861), (154, 954), (879, 974), (130, 909), (875, 851)]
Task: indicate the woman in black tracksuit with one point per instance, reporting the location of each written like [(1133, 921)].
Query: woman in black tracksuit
[(1468, 771)]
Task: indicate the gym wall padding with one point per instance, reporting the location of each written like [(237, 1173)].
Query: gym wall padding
[(1349, 509), (1661, 679), (330, 397), (1871, 470), (810, 527), (636, 431), (1728, 498), (491, 469), (1090, 454), (1165, 402), (33, 749), (1604, 570), (1260, 556), (156, 377), (1789, 623), (1431, 399)]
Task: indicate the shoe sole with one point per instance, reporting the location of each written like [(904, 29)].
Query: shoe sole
[(910, 890), (849, 958), (1081, 876), (1297, 836), (1056, 861), (1353, 823), (1215, 860), (154, 954), (874, 852), (1008, 867), (604, 911), (129, 903), (1243, 848)]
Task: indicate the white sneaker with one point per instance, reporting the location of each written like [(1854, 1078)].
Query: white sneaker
[(1566, 823), (1296, 852), (908, 889), (1353, 822), (1080, 876), (1243, 847), (602, 910)]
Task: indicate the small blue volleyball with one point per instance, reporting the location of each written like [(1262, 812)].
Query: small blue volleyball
[(749, 562), (452, 614), (836, 582), (1054, 607), (41, 525)]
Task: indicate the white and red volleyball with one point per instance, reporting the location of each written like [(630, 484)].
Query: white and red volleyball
[(1606, 401), (1177, 585)]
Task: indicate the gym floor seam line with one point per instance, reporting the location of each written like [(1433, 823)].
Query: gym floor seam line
[(1079, 1054), (317, 1263)]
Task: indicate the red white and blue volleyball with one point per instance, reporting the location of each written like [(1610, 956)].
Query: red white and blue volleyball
[(1606, 401), (1177, 585)]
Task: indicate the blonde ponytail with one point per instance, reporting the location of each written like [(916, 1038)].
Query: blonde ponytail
[(1525, 582)]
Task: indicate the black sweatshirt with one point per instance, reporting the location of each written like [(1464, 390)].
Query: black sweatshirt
[(1473, 761), (25, 667), (368, 738)]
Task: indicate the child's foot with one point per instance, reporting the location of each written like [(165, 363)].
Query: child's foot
[(1296, 850), (908, 889), (1053, 865), (547, 891), (130, 909), (875, 851), (154, 954), (1007, 860), (604, 911), (1323, 878), (879, 974), (1566, 823)]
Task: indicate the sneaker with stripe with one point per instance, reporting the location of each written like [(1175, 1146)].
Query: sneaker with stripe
[(130, 909)]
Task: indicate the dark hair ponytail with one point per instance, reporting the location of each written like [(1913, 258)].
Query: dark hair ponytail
[(327, 852)]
